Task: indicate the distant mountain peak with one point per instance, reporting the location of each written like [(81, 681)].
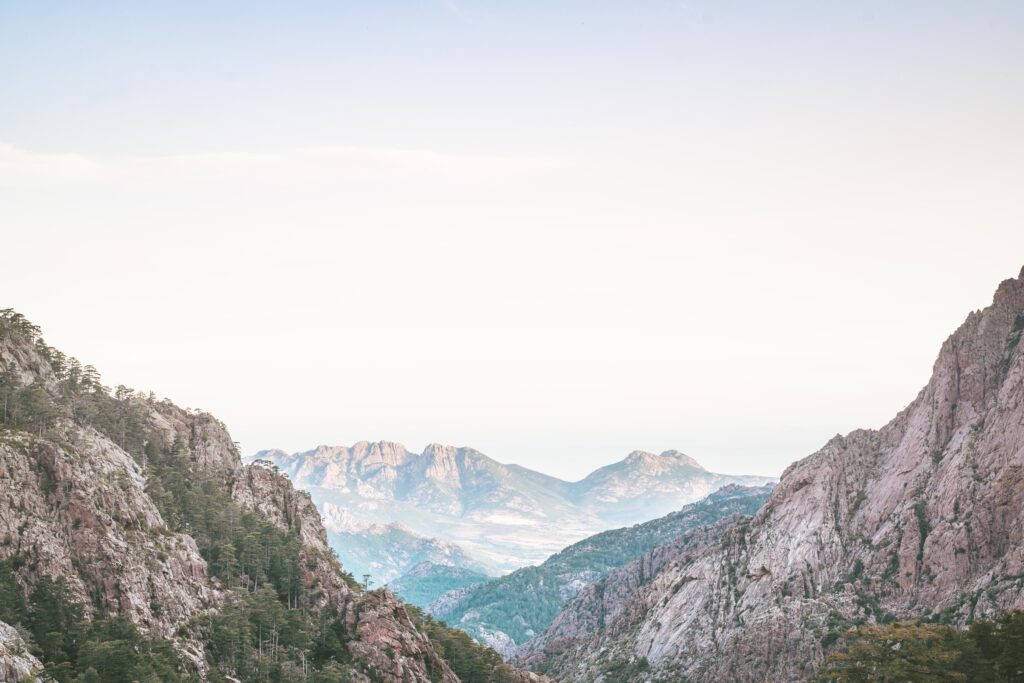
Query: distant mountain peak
[(267, 454), (669, 458), (681, 457)]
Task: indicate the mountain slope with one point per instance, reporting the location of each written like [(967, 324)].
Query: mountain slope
[(920, 518), (506, 612), (388, 551), (125, 519), (427, 581), (505, 516), (644, 486), (17, 663)]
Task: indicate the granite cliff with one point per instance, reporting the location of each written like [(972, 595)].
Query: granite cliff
[(921, 518)]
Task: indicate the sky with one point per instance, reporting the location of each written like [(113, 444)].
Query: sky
[(555, 232)]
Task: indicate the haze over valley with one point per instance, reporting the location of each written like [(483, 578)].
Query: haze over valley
[(501, 516)]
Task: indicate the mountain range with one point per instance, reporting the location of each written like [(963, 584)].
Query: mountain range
[(502, 516)]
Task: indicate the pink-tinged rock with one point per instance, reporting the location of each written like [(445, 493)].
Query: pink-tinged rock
[(921, 518)]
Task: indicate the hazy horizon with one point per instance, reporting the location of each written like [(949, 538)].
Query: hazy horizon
[(555, 234)]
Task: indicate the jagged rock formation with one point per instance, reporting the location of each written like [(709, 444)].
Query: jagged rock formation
[(272, 496), (507, 612), (79, 510), (919, 518), (504, 516), (16, 662), (77, 507), (74, 506), (389, 641)]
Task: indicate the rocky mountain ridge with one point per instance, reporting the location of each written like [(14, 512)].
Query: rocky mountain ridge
[(920, 518), (504, 516)]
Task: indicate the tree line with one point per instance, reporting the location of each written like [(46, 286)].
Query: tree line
[(989, 651)]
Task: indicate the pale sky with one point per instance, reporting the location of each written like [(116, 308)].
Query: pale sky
[(555, 232)]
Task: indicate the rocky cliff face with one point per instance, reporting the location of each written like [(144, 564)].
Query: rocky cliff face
[(74, 505), (510, 611), (920, 518), (273, 497), (16, 662), (77, 508), (600, 603)]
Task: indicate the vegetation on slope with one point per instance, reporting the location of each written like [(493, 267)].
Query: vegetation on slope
[(471, 661), (427, 581), (525, 602), (987, 652), (74, 649), (269, 631)]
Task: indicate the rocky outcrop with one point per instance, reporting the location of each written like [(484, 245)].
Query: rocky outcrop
[(387, 642), (264, 491), (17, 664), (390, 644), (76, 507), (206, 438), (920, 518)]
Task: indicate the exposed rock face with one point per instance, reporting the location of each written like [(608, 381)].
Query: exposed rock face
[(919, 518), (16, 663), (272, 496), (388, 643), (392, 645), (78, 509), (511, 610), (600, 603), (209, 443), (504, 516)]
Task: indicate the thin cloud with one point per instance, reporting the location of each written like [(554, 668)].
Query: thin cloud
[(24, 168), (20, 167)]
